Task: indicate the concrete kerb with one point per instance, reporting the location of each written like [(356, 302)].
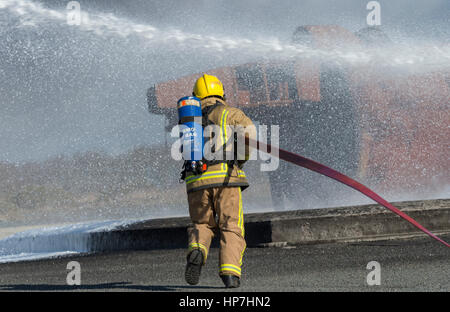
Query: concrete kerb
[(273, 229), (345, 224)]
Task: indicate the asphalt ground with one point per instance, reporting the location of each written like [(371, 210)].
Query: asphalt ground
[(415, 264)]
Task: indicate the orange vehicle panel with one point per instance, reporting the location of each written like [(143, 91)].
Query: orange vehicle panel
[(404, 118)]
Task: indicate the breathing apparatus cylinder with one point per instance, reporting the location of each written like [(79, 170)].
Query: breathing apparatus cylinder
[(191, 133)]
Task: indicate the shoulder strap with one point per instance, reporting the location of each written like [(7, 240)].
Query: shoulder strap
[(205, 122), (207, 111)]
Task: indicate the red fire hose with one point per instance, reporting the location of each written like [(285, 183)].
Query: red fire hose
[(331, 173)]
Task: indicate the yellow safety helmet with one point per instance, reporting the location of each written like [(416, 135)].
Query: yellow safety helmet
[(208, 85)]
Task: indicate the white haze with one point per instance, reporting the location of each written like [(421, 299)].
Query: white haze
[(77, 88), (69, 89)]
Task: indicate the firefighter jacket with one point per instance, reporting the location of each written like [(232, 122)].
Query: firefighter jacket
[(230, 125)]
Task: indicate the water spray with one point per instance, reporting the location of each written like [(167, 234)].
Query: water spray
[(32, 14)]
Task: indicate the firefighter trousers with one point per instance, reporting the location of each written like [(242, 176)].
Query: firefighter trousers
[(213, 211)]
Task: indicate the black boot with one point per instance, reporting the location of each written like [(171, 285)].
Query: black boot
[(194, 267), (230, 281)]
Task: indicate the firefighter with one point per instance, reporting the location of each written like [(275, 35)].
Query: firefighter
[(215, 196)]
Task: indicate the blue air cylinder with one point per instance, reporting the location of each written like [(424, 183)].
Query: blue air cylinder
[(191, 130)]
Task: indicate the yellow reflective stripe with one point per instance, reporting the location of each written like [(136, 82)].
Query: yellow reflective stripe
[(241, 215), (223, 124), (220, 127), (241, 174), (214, 174), (198, 245), (242, 255), (211, 175), (224, 172), (204, 177), (189, 178), (241, 222), (230, 267)]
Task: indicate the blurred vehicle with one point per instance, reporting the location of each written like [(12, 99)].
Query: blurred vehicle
[(389, 130)]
